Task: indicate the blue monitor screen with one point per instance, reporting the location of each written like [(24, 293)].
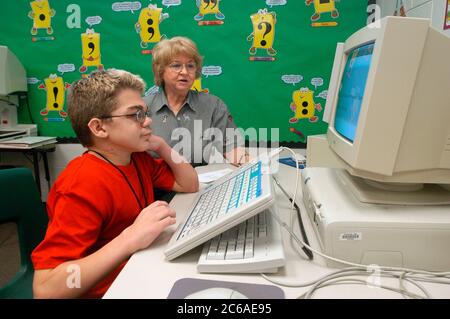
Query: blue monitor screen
[(351, 91)]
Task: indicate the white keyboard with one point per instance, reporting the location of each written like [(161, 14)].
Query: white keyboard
[(251, 247), (226, 203)]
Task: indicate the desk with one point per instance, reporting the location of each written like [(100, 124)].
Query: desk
[(34, 152), (148, 275)]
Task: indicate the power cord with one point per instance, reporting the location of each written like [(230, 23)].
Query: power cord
[(307, 252), (9, 102), (343, 276), (25, 97), (292, 199), (340, 276)]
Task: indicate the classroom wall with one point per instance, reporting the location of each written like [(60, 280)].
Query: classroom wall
[(438, 11), (258, 93), (261, 88)]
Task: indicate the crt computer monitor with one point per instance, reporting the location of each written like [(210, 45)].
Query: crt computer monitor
[(389, 98), (389, 123), (12, 73)]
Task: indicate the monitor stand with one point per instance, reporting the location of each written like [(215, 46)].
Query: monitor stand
[(411, 236), (367, 191)]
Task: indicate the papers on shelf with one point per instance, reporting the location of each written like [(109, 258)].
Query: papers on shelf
[(28, 142)]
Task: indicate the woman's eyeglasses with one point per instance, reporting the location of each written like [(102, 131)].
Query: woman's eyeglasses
[(176, 67), (140, 116)]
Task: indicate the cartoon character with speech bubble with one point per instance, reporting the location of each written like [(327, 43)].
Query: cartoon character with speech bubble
[(41, 14), (263, 34), (321, 6), (55, 88), (148, 24), (207, 7), (303, 106), (90, 46)]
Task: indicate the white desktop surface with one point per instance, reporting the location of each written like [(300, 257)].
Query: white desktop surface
[(148, 275)]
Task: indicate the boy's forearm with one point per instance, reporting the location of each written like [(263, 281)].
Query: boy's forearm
[(75, 278), (185, 175)]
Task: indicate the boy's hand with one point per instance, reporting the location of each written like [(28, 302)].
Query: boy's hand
[(149, 224), (156, 143)]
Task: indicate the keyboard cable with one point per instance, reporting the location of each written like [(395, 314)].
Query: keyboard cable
[(307, 252)]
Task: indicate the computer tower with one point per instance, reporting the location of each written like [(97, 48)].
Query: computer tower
[(415, 237)]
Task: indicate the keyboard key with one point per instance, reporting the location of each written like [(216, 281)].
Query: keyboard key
[(218, 206), (238, 250), (224, 198)]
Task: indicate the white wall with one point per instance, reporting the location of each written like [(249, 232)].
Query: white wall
[(438, 15), (431, 9)]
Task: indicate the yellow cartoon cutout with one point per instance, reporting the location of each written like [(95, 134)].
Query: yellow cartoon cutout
[(55, 88), (263, 34), (323, 6), (42, 14), (208, 7), (148, 24), (90, 47), (303, 106), (197, 86)]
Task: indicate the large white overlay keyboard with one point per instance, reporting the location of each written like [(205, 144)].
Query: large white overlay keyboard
[(226, 203), (255, 245)]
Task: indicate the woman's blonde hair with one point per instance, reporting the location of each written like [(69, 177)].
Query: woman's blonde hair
[(95, 96), (164, 52)]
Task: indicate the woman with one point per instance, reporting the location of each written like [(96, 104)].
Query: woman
[(196, 124)]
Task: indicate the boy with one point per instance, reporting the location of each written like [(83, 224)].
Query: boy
[(101, 207)]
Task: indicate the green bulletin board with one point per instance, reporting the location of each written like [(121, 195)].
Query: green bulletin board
[(292, 53)]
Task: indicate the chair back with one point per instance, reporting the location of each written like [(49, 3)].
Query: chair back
[(21, 204)]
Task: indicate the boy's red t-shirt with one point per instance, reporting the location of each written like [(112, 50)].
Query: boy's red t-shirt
[(91, 203)]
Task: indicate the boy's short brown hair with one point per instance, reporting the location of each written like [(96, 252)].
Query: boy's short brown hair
[(167, 49), (95, 96)]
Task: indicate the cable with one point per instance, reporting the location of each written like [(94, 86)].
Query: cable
[(402, 274), (300, 221), (28, 107), (418, 271), (339, 277), (296, 174), (403, 288), (296, 185), (293, 202), (345, 281), (419, 5), (334, 278), (9, 102)]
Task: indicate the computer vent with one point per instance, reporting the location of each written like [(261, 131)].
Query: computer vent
[(447, 144)]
